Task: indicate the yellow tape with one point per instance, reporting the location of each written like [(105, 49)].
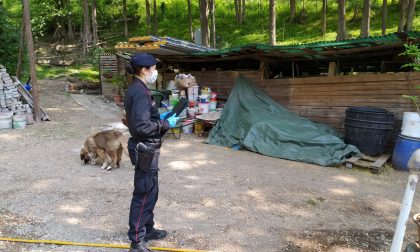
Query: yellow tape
[(93, 244)]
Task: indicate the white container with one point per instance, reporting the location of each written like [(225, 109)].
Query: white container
[(203, 108), (411, 125), (19, 122), (192, 112), (188, 127), (213, 105), (409, 116), (29, 118), (192, 93), (6, 121)]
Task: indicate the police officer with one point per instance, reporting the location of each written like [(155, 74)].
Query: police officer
[(146, 128)]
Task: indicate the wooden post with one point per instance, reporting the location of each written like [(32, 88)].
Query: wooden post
[(332, 69), (32, 65), (261, 71), (293, 69)]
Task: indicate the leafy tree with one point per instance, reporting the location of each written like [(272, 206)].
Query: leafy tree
[(9, 42)]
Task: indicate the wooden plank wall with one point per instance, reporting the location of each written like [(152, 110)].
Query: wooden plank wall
[(324, 99)]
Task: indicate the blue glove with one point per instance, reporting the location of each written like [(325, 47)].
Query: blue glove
[(164, 114), (172, 121)]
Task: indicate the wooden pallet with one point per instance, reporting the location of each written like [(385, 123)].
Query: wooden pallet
[(374, 163)]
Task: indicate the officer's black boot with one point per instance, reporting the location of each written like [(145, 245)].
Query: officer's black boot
[(155, 234), (139, 247)]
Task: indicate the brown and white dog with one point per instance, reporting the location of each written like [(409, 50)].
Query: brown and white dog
[(104, 147)]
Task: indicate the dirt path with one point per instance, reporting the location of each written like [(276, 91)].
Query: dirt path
[(211, 198)]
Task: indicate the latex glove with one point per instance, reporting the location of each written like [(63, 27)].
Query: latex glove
[(172, 121), (164, 114)]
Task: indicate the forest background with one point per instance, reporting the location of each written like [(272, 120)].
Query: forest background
[(99, 24)]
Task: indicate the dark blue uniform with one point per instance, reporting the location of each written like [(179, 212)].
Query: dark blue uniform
[(145, 126)]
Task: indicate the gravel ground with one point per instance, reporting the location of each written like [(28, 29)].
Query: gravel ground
[(211, 198)]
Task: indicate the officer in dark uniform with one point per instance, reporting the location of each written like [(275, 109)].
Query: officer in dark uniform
[(147, 128)]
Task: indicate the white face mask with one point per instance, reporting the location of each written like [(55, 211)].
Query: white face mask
[(150, 79)]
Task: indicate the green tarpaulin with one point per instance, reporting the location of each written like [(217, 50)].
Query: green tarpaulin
[(254, 121)]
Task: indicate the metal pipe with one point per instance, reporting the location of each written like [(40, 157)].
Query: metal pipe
[(404, 213)]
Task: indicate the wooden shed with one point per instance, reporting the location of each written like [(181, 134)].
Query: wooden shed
[(317, 80)]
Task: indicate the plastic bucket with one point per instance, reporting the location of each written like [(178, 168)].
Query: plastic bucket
[(403, 150), (198, 127), (411, 125), (6, 121), (19, 121), (368, 129), (29, 118), (187, 127), (370, 114)]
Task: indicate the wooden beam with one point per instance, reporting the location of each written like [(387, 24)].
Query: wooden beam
[(34, 80), (332, 69), (261, 71)]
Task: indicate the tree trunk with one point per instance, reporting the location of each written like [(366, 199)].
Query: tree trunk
[(403, 15), (272, 16), (29, 38), (292, 11), (384, 16), (341, 28), (204, 22), (213, 23), (356, 10), (411, 14), (155, 18), (237, 10), (94, 23), (21, 52), (148, 12), (70, 33), (364, 32), (190, 21), (86, 26), (125, 33), (324, 17), (240, 11), (243, 11)]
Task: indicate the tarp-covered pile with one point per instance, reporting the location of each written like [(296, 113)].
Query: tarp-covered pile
[(257, 123)]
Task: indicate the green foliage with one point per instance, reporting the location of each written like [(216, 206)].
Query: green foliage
[(94, 56), (80, 72), (174, 20), (9, 41), (413, 51)]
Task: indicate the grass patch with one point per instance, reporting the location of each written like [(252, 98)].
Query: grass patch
[(85, 73)]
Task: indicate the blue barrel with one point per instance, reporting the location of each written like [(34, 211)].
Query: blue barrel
[(404, 148)]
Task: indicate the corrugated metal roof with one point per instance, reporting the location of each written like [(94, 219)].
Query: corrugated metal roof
[(316, 49)]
